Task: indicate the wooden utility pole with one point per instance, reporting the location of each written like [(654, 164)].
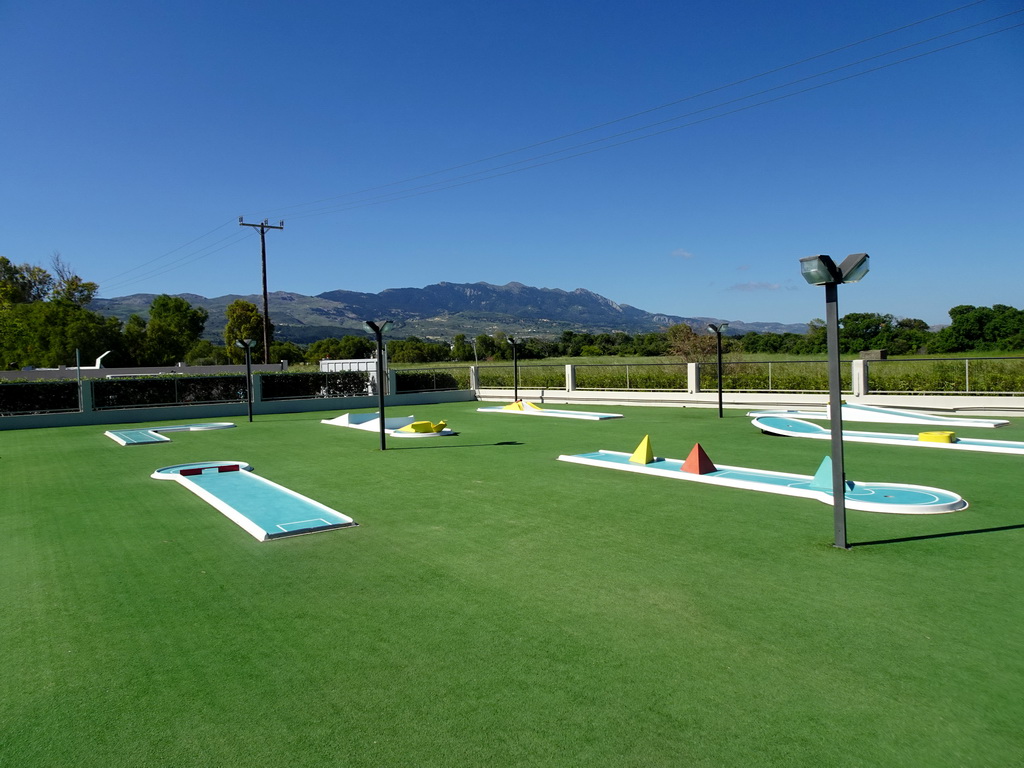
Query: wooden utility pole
[(263, 226)]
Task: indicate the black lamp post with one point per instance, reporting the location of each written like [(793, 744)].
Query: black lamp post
[(247, 345), (821, 270), (515, 370), (718, 330), (378, 331)]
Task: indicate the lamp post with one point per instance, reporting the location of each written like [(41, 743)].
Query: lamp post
[(515, 370), (821, 270), (718, 330), (378, 331), (247, 345)]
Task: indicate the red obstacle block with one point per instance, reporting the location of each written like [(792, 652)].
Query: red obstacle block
[(192, 471), (229, 468), (698, 462)]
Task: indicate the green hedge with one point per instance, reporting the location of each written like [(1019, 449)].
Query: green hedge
[(167, 390), (24, 397), (431, 380), (296, 386)]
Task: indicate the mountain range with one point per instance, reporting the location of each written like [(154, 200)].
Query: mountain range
[(439, 311)]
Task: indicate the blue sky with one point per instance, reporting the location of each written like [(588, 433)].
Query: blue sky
[(135, 134)]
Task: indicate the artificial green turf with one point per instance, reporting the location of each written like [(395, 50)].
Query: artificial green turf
[(496, 606)]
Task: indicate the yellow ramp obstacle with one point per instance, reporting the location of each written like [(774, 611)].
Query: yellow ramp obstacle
[(643, 453), (423, 427)]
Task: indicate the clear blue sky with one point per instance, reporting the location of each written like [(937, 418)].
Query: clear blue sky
[(135, 134)]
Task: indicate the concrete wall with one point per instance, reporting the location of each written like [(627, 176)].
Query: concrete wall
[(71, 372)]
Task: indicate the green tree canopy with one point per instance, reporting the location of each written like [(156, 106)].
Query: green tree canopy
[(244, 321)]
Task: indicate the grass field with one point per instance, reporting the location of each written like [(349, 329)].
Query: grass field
[(497, 607)]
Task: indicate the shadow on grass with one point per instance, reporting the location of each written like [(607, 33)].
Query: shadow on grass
[(434, 444), (936, 535)]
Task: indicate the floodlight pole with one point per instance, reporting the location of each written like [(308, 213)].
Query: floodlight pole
[(378, 331), (821, 270), (515, 370), (246, 344), (835, 405), (717, 330)]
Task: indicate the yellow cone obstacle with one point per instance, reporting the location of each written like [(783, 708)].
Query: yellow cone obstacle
[(643, 453)]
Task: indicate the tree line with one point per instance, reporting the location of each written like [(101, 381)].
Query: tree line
[(44, 319)]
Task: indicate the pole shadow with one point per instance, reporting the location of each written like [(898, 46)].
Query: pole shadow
[(936, 535), (434, 444)]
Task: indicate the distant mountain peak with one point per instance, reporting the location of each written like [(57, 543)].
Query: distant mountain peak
[(439, 310)]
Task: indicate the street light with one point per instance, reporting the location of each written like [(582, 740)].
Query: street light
[(378, 331), (718, 330), (515, 370), (821, 270), (247, 345)]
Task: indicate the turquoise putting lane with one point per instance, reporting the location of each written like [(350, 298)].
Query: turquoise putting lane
[(791, 427), (893, 498), (263, 508)]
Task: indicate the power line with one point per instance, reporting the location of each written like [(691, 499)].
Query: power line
[(532, 162), (673, 103), (608, 141)]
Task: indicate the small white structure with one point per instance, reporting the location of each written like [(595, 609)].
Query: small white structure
[(369, 367)]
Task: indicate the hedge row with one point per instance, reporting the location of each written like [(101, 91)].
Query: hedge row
[(431, 380), (24, 397), (294, 386), (170, 390)]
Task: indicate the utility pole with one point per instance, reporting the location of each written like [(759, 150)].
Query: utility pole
[(263, 226)]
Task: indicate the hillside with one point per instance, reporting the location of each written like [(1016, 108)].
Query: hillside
[(440, 311)]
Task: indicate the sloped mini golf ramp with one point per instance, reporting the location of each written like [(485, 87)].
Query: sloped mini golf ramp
[(149, 435), (790, 427), (395, 426), (526, 408), (262, 507)]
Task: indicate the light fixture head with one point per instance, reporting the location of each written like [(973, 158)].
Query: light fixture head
[(820, 270), (722, 327), (854, 267), (373, 327)]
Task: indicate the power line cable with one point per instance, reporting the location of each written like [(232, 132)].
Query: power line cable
[(673, 103), (543, 159), (493, 172)]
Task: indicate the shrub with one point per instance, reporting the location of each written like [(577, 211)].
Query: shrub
[(24, 397)]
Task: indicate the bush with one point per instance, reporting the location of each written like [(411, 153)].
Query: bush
[(167, 390), (431, 381), (292, 386), (24, 397)]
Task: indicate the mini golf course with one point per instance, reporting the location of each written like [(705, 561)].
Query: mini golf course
[(495, 606)]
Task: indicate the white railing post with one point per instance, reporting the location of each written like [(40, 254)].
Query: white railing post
[(859, 377), (692, 379), (570, 377)]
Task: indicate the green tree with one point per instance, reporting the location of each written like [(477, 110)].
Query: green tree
[(691, 346), (286, 350), (462, 350), (244, 322), (174, 327)]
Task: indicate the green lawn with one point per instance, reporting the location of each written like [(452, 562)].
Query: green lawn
[(496, 607)]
